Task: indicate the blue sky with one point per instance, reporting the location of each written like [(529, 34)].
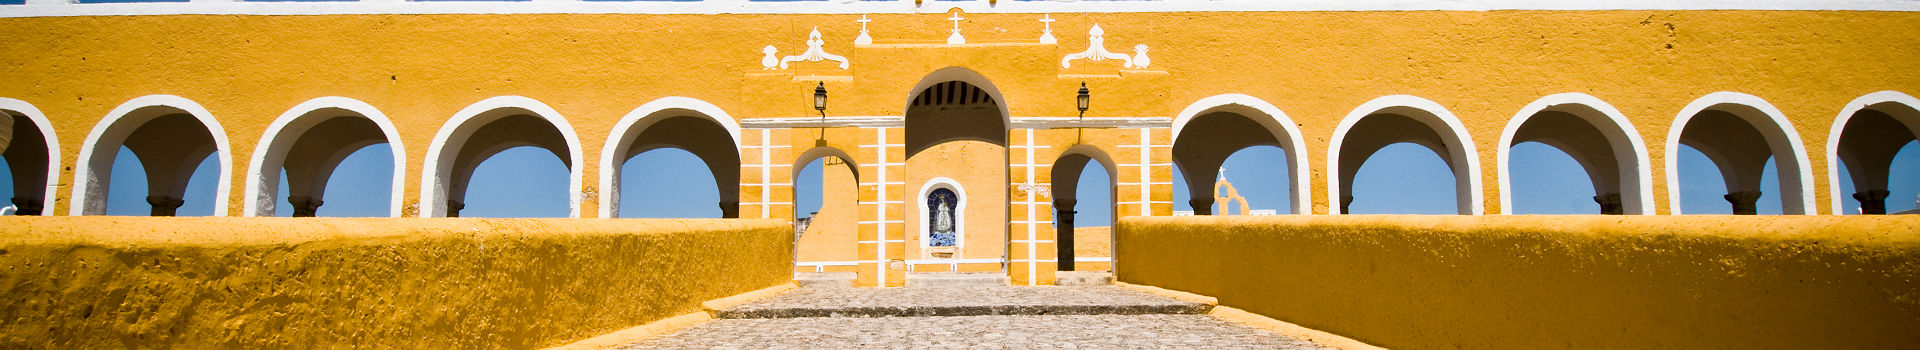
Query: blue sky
[(1401, 178)]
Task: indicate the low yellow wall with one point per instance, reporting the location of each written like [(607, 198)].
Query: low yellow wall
[(1682, 282), (110, 282)]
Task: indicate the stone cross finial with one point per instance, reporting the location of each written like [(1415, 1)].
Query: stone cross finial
[(863, 39), (956, 39), (1046, 35)]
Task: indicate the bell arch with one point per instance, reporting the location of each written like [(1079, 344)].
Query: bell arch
[(488, 127), (1233, 122), (1723, 117), (1597, 136), (171, 134), (1865, 137), (339, 126), (32, 152), (684, 123), (1403, 118)]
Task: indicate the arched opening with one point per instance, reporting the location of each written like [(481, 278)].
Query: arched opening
[(1219, 130), (1873, 140), (1083, 231), (667, 182), (826, 209), (1565, 142), (686, 125), (484, 130), (956, 144), (362, 189), (29, 148), (172, 139), (1370, 130), (303, 150), (1740, 134)]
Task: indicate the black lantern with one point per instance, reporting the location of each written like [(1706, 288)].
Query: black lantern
[(820, 99), (1083, 99)]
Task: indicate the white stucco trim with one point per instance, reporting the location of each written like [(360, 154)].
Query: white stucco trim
[(453, 135), (40, 121), (279, 139), (41, 8), (1636, 185), (919, 204), (1835, 198), (1774, 127), (1467, 189), (969, 76), (636, 122), (90, 196), (1277, 123)]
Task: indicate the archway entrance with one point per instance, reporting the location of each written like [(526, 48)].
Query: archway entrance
[(956, 146), (1083, 170)]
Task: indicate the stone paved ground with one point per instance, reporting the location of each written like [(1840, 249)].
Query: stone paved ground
[(990, 318)]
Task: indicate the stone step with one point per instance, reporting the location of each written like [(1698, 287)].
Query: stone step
[(1082, 278), (976, 301), (824, 279), (957, 280)]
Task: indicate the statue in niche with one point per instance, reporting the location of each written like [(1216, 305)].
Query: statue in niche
[(942, 228)]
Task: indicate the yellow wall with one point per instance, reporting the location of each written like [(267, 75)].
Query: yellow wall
[(106, 282), (1529, 282)]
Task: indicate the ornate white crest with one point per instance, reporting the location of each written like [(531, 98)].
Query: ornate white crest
[(813, 54), (769, 61), (1097, 51)]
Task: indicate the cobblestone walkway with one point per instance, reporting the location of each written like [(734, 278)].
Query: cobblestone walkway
[(973, 318)]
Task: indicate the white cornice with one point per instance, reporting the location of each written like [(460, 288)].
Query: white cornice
[(54, 8)]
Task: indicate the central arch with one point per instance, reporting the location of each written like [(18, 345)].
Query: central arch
[(1403, 118), (340, 126), (956, 133), (442, 181), (1616, 161)]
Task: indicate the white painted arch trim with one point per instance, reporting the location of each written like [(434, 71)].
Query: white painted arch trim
[(40, 121), (278, 140), (90, 197), (919, 204), (1470, 198), (636, 122), (1638, 200), (1277, 123), (1836, 199), (434, 180), (43, 8), (1775, 128), (969, 76)]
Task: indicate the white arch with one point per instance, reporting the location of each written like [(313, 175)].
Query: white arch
[(1781, 138), (969, 76), (434, 181), (1835, 199), (1276, 122), (636, 122), (1638, 198), (959, 212), (53, 148), (1466, 161), (90, 196), (287, 129)]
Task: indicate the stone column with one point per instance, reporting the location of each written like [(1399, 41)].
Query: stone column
[(1346, 204), (164, 205), (304, 206), (1063, 232), (453, 208), (1743, 201), (27, 206), (1872, 202), (1201, 206), (1609, 204), (730, 210)]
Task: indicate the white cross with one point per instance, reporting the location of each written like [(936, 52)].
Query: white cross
[(863, 22), (1046, 36), (1048, 19), (956, 21)]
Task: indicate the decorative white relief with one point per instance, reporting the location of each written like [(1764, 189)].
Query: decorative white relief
[(814, 52), (1046, 35), (769, 61), (1140, 59), (1097, 50), (956, 39), (864, 38), (1038, 192)]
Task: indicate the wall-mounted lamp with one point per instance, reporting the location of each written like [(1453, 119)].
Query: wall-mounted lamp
[(820, 99), (1082, 99)]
